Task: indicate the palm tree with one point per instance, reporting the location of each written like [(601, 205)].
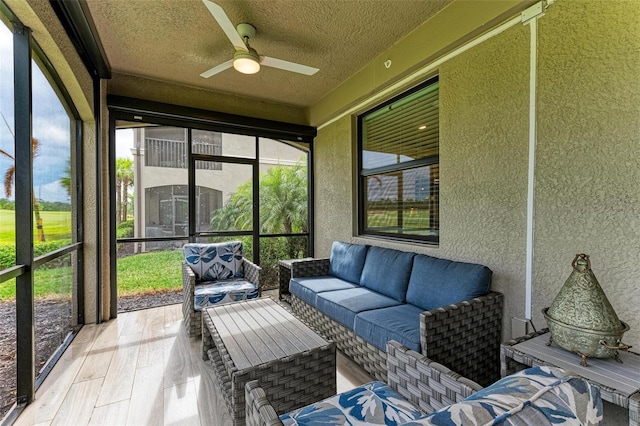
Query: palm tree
[(65, 181), (9, 179), (124, 179), (283, 204)]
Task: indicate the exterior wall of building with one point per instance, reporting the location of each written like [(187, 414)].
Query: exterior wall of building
[(587, 165), (222, 182)]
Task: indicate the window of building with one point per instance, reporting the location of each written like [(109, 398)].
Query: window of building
[(399, 168)]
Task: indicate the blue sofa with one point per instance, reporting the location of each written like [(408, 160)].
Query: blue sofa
[(363, 296), (423, 392)]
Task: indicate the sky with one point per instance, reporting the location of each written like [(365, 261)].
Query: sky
[(50, 124)]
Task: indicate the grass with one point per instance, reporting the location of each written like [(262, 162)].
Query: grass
[(137, 274), (150, 272), (50, 283), (411, 218), (56, 225)]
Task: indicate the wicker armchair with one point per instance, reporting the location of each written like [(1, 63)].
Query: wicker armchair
[(428, 385), (214, 274), (465, 336)]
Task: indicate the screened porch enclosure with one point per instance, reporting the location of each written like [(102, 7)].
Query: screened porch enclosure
[(175, 183)]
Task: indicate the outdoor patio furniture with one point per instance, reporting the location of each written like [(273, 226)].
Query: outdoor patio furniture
[(215, 274), (261, 340), (423, 392), (362, 297)]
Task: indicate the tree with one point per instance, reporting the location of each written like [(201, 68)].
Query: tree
[(9, 179), (65, 181), (124, 180), (283, 205)]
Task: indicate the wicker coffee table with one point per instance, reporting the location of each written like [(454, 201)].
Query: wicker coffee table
[(260, 340), (619, 384)]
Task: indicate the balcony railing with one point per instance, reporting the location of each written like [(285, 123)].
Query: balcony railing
[(173, 154)]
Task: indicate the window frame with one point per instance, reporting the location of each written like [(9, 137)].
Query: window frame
[(363, 174)]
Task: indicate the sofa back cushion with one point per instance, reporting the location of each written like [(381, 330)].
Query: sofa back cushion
[(387, 271), (213, 262), (435, 283), (347, 260)]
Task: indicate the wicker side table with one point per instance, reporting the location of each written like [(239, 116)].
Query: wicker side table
[(619, 384), (260, 340)]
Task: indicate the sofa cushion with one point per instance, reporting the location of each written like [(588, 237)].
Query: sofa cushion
[(387, 271), (373, 403), (535, 396), (400, 323), (218, 261), (344, 305), (439, 282), (347, 260), (306, 288), (210, 293)]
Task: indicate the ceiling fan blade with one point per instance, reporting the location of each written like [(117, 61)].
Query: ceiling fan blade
[(217, 69), (287, 66), (226, 25)]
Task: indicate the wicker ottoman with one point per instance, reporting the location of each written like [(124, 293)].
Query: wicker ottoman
[(260, 340)]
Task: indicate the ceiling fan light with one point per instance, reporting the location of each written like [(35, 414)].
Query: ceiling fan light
[(246, 62)]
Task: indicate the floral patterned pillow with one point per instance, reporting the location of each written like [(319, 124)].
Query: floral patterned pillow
[(536, 396), (374, 403)]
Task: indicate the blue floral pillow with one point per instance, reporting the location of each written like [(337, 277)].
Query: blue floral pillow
[(374, 403), (536, 396), (213, 262)]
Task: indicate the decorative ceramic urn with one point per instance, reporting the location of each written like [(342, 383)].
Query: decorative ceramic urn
[(582, 320)]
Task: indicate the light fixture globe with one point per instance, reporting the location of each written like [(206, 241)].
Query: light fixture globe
[(246, 62)]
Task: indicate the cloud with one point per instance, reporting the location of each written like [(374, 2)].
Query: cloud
[(53, 191)]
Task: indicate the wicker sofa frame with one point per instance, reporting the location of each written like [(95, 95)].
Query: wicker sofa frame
[(465, 336), (425, 383), (192, 318)]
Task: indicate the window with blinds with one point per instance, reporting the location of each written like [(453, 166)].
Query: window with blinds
[(399, 166)]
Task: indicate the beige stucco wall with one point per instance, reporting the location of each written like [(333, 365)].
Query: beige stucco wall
[(587, 169)]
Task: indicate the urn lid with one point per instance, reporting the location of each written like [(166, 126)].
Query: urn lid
[(581, 301)]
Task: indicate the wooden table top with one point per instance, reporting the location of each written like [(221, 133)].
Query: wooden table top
[(259, 331), (624, 378)]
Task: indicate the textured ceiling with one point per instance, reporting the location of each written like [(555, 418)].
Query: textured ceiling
[(176, 40)]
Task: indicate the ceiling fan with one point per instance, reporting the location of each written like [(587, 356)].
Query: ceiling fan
[(246, 60)]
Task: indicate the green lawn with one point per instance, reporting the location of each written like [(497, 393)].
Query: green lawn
[(412, 218), (54, 283), (137, 274), (150, 272), (56, 225)]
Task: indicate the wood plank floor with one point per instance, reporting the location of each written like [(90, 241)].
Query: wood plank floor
[(139, 369)]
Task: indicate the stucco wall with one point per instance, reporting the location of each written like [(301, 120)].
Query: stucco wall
[(484, 110), (588, 166), (587, 169)]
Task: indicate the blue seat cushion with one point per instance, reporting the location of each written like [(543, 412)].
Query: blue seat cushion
[(373, 403), (387, 271), (306, 288), (400, 323), (344, 305), (347, 260), (435, 283), (210, 293), (535, 396)]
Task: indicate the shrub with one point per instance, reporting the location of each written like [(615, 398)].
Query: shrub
[(8, 252), (124, 229)]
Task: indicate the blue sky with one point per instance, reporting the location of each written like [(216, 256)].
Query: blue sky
[(51, 126)]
